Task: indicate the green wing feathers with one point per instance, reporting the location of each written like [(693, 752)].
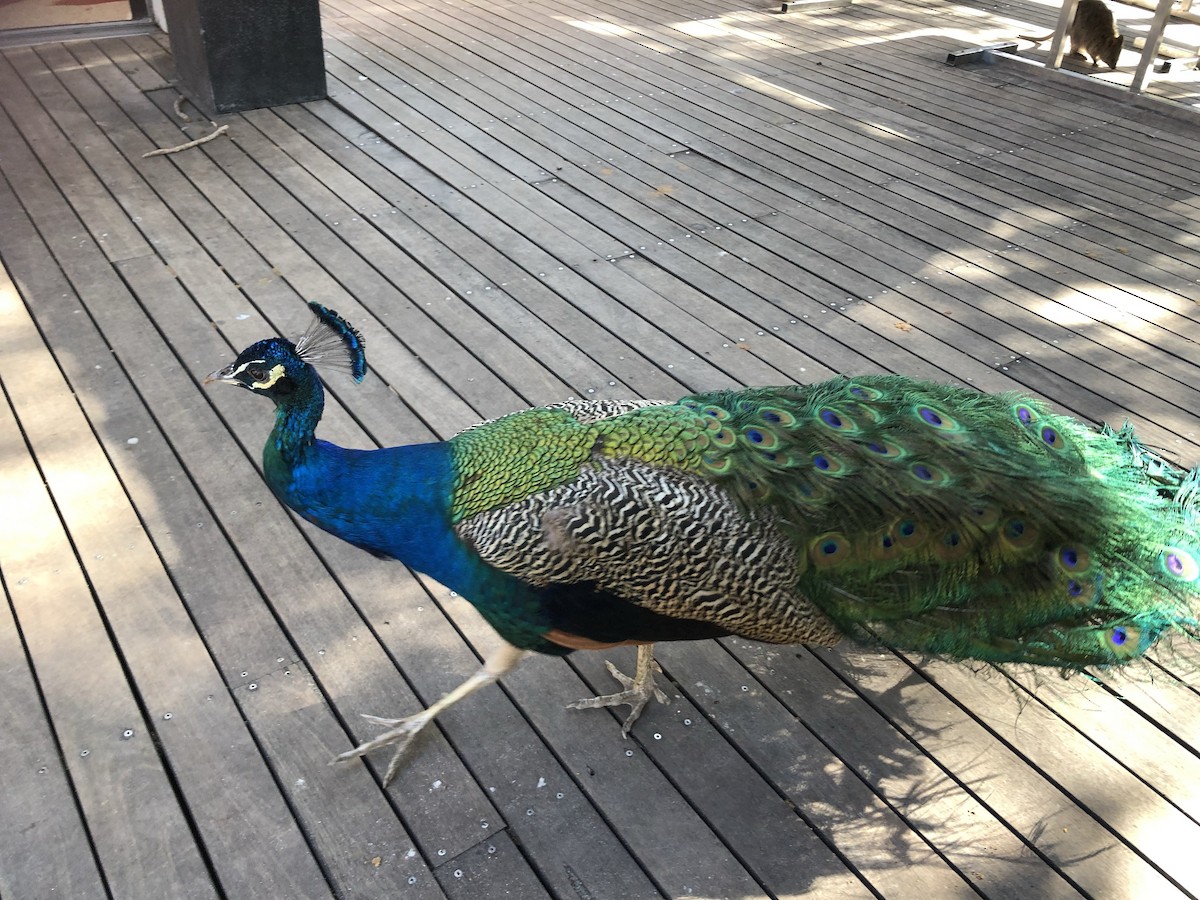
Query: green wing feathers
[(923, 516)]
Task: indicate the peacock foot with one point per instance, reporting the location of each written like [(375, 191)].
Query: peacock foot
[(400, 733), (638, 689)]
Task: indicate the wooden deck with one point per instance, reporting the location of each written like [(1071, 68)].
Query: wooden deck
[(1181, 84), (518, 202)]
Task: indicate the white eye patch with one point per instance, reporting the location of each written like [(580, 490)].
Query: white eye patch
[(277, 372)]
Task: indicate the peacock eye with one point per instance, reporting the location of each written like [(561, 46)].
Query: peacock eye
[(257, 373)]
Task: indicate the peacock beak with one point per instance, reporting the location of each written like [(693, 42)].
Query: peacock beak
[(223, 376)]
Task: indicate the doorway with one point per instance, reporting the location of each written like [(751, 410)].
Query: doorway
[(42, 13)]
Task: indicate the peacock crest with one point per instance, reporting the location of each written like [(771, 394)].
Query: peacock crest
[(332, 342)]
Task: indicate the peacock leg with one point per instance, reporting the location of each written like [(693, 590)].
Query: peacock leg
[(638, 689), (402, 731)]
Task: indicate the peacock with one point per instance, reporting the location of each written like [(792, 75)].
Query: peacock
[(891, 511)]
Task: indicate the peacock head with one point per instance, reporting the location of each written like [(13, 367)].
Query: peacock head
[(276, 367), (271, 367)]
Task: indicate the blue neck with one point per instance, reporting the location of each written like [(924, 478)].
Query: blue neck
[(296, 416), (392, 502)]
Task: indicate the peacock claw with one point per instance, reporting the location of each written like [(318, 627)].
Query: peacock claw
[(401, 733), (638, 689)]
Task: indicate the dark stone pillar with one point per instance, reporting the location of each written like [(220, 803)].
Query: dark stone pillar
[(233, 55)]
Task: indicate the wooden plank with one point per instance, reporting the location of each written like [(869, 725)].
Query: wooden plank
[(142, 72), (838, 95), (913, 76), (326, 247), (811, 783), (45, 847), (917, 58), (492, 868), (634, 794), (1156, 828), (622, 262), (949, 744), (316, 797), (1050, 348), (285, 259), (555, 185), (858, 36), (936, 830), (742, 301), (867, 160), (473, 312), (1085, 93), (705, 313), (595, 293), (152, 50), (781, 842), (570, 835), (473, 267), (142, 836), (1161, 694), (73, 111), (112, 230), (214, 761), (1157, 758), (369, 218), (728, 24), (1104, 221)]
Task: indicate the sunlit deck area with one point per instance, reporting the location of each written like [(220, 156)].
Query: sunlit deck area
[(518, 202)]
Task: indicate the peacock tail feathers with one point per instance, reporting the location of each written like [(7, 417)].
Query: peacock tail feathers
[(923, 516)]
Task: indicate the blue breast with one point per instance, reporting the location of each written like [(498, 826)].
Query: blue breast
[(395, 502)]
